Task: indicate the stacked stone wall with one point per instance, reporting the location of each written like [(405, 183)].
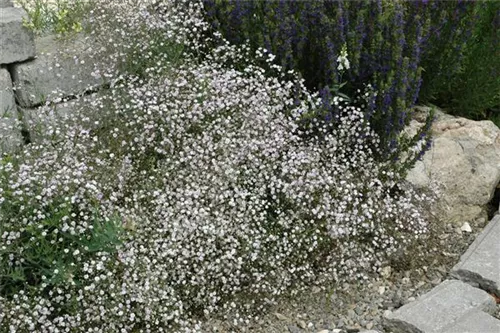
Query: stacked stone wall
[(36, 72)]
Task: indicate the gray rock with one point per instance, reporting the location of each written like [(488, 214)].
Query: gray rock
[(5, 3), (475, 322), (480, 264), (39, 121), (281, 317), (463, 164), (61, 69), (439, 308), (10, 135), (16, 40), (294, 329)]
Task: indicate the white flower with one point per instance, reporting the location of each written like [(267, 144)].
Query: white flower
[(343, 62)]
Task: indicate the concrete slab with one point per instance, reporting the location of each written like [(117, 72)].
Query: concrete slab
[(10, 134), (439, 308), (475, 322), (61, 69), (480, 264), (16, 40)]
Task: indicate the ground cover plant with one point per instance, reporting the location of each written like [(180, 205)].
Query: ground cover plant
[(197, 185)]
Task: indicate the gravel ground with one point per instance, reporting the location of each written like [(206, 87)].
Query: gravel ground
[(355, 307)]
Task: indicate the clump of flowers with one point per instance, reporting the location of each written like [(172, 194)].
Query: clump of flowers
[(191, 191)]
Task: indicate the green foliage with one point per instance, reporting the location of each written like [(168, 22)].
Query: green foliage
[(473, 90), (44, 257), (62, 17), (41, 248)]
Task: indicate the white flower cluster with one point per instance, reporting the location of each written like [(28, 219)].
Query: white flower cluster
[(189, 192), (342, 60)]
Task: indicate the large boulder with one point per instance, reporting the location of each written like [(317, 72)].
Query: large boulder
[(463, 164), (17, 41)]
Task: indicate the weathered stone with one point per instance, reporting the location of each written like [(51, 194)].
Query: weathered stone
[(16, 40), (466, 227), (480, 264), (6, 3), (62, 69), (475, 322), (439, 308), (463, 164), (41, 120), (10, 135)]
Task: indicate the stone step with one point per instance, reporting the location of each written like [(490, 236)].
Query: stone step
[(475, 322), (61, 69), (10, 135), (480, 264), (16, 40), (439, 308)]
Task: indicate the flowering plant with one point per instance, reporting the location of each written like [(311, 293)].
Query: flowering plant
[(193, 187)]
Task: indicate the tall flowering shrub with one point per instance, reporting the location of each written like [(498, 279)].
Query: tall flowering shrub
[(472, 88), (189, 191), (389, 44)]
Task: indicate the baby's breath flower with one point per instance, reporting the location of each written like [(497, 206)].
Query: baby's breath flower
[(195, 183)]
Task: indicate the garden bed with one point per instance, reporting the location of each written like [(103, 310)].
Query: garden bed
[(206, 186)]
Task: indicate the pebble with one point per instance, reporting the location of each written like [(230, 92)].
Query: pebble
[(466, 227), (386, 271), (281, 317), (293, 329), (436, 281), (443, 236), (420, 284), (359, 310), (411, 299)]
